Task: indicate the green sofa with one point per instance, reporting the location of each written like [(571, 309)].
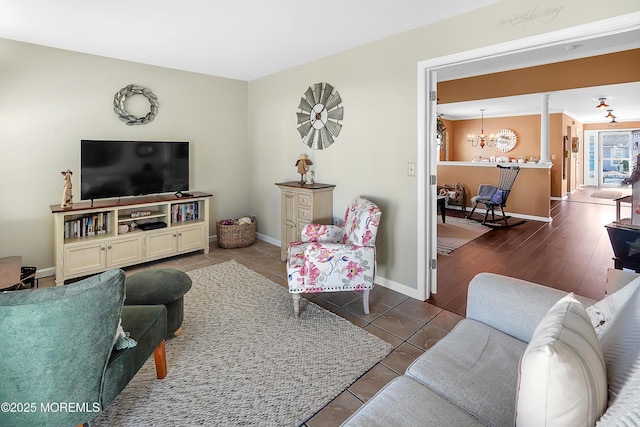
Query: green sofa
[(58, 365)]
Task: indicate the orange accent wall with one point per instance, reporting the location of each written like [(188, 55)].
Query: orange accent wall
[(621, 67), (449, 134), (613, 68), (527, 128), (529, 195)]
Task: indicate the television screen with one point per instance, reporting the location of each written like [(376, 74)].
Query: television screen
[(132, 168)]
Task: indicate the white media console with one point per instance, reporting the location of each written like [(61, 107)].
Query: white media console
[(94, 237)]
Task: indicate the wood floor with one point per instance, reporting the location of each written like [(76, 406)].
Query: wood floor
[(571, 253)]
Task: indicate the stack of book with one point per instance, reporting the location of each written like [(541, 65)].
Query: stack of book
[(185, 212), (88, 225)]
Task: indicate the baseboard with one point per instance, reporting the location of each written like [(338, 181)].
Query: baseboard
[(398, 287), (45, 272), (521, 216), (268, 239), (380, 281), (514, 215)]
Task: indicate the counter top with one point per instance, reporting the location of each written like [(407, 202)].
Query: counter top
[(494, 164), (296, 184), (128, 201)]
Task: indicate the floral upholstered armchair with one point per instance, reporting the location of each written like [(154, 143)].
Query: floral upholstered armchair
[(332, 259)]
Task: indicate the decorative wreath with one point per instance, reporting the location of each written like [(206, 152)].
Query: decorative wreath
[(122, 95)]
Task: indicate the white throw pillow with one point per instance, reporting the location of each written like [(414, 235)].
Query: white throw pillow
[(603, 311), (562, 379)]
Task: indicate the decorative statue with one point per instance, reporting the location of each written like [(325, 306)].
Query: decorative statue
[(67, 193), (302, 163)]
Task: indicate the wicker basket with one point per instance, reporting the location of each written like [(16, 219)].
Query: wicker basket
[(236, 235)]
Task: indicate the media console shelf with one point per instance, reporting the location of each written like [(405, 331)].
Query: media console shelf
[(92, 237)]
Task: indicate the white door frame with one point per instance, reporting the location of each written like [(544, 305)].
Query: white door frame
[(426, 150)]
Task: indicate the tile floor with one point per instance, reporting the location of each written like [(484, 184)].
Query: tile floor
[(411, 326)]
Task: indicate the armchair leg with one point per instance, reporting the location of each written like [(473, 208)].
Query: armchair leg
[(365, 301), (296, 304), (160, 357)]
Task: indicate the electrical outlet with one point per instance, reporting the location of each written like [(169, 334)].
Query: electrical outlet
[(411, 169)]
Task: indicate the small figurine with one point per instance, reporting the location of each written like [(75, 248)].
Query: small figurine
[(302, 163), (67, 193)]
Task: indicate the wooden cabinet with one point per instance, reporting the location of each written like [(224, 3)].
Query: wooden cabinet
[(124, 251), (191, 238), (303, 204), (85, 258), (623, 239), (161, 244), (93, 238), (174, 241)]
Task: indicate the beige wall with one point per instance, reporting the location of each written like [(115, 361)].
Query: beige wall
[(244, 134), (51, 99), (378, 85)]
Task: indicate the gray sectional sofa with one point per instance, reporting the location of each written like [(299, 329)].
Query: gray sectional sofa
[(484, 371)]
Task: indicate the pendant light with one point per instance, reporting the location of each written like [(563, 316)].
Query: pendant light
[(482, 137), (603, 105)]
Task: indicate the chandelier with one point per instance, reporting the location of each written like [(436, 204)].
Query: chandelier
[(482, 139)]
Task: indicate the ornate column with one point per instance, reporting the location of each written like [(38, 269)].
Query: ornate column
[(544, 129)]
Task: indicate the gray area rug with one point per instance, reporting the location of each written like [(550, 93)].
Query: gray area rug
[(245, 359), (456, 232), (607, 194)]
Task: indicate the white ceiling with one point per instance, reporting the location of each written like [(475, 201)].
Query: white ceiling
[(242, 40), (249, 39)]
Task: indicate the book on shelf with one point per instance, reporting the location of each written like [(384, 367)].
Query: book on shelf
[(88, 225), (185, 212)]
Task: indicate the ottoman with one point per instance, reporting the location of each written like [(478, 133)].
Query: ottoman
[(165, 286)]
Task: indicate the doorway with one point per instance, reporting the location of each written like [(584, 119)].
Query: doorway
[(615, 157), (610, 156), (484, 60)]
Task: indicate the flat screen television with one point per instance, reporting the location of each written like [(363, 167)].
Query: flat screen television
[(132, 168)]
